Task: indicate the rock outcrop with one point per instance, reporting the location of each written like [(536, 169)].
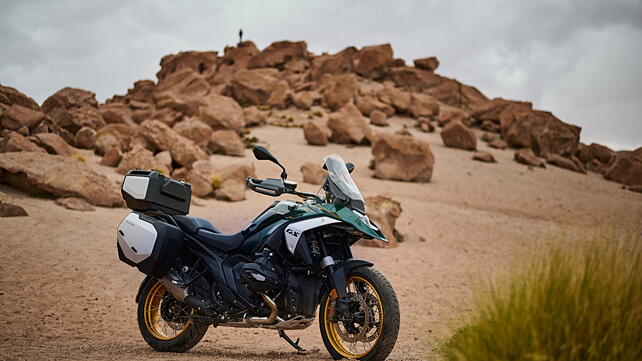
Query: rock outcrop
[(348, 126), (35, 172), (402, 158), (457, 135), (384, 211), (313, 173)]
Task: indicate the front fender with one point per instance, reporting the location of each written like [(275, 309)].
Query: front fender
[(146, 280), (342, 270)]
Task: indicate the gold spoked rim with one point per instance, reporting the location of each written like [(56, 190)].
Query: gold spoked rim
[(165, 317), (356, 339)]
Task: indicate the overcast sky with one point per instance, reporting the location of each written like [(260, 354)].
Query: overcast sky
[(579, 59)]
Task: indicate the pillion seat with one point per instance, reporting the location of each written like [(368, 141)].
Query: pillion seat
[(191, 224)]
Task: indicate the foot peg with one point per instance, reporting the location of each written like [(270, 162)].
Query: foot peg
[(292, 343)]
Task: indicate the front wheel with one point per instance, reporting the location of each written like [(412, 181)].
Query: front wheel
[(370, 331), (165, 322)]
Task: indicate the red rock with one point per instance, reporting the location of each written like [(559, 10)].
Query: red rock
[(9, 96), (429, 64), (384, 212), (115, 113), (194, 129), (259, 87), (397, 98), (14, 142), (348, 126), (253, 116), (558, 160), (625, 169), (18, 116), (198, 62), (483, 157), (221, 112), (526, 156), (489, 126), (449, 114), (72, 109), (339, 90), (305, 99), (378, 118), (181, 91), (85, 138), (226, 142), (9, 209), (368, 104), (492, 109), (457, 135), (141, 158), (59, 176), (183, 150), (332, 64), (402, 158), (425, 125), (52, 143), (602, 153), (316, 132), (498, 144), (313, 173), (278, 53), (422, 105), (370, 61), (413, 79), (106, 142), (488, 137), (112, 157), (167, 116), (234, 59)]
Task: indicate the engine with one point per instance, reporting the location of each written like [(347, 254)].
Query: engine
[(263, 275)]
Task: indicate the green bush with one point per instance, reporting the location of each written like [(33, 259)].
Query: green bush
[(569, 302)]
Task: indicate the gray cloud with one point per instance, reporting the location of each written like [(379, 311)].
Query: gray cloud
[(577, 58)]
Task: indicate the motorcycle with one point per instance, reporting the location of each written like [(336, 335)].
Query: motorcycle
[(293, 259)]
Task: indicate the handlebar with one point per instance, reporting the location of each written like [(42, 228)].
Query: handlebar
[(275, 187)]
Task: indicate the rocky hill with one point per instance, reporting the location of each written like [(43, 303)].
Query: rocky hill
[(205, 102)]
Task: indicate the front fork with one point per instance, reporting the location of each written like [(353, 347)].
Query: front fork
[(336, 275)]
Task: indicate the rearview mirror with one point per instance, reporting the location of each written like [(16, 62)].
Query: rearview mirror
[(350, 167), (261, 153)]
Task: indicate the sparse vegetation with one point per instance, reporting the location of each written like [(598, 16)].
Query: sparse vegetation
[(216, 181), (372, 164), (318, 113), (570, 302), (263, 107), (79, 157), (250, 142)]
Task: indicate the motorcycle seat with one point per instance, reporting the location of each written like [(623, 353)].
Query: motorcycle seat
[(223, 242), (191, 224)]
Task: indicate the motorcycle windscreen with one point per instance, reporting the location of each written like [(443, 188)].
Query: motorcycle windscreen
[(343, 187)]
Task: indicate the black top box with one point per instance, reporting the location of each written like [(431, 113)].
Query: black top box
[(145, 190)]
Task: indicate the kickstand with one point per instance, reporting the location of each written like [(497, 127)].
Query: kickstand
[(292, 343)]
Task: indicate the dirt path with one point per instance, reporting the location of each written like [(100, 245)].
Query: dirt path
[(65, 295)]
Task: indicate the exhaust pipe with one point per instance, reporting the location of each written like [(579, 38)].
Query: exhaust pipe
[(271, 319), (177, 291)]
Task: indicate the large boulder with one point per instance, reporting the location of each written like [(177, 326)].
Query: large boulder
[(17, 116), (115, 113), (253, 116), (522, 126), (625, 169), (221, 112), (338, 63), (383, 211), (8, 208), (559, 161), (348, 126), (194, 129), (414, 79), (370, 61), (183, 150), (279, 53), (233, 60), (457, 135), (140, 158), (313, 173), (15, 142), (448, 114), (85, 138), (395, 97), (422, 105), (181, 91), (226, 142), (368, 103), (225, 182), (259, 87), (57, 175), (402, 158), (52, 143), (339, 90), (456, 94), (305, 99), (72, 109), (9, 96), (378, 118), (429, 64), (198, 62), (316, 132), (112, 157)]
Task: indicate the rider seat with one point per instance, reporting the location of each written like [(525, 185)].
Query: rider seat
[(204, 230)]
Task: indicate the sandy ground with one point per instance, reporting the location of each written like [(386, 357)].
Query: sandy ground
[(65, 295)]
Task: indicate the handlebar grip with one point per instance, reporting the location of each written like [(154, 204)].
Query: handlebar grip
[(255, 185)]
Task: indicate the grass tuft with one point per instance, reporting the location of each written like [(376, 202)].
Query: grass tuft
[(216, 181), (568, 302), (79, 157)]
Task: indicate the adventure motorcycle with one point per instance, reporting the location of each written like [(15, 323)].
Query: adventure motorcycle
[(273, 274)]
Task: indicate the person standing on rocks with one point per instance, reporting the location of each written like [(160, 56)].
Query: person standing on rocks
[(241, 35)]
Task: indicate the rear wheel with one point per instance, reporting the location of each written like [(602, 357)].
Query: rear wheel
[(165, 322), (370, 331)]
